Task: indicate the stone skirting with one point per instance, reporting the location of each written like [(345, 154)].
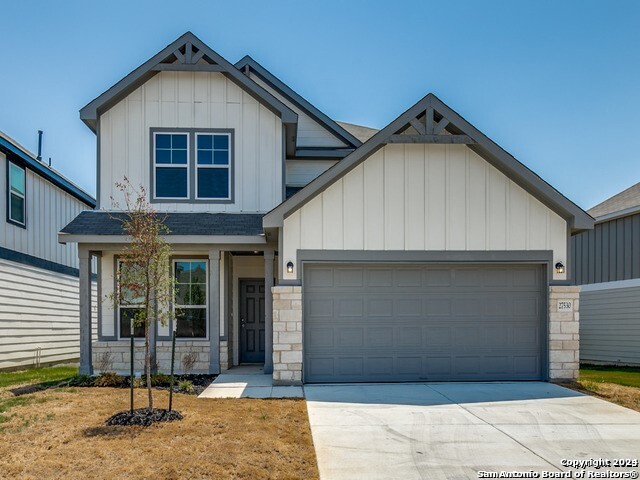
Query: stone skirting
[(119, 354), (287, 335), (224, 355), (564, 334)]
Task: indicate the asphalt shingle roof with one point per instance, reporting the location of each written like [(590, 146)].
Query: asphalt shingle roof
[(110, 223), (628, 198)]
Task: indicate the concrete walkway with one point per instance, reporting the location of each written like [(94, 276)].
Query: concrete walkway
[(455, 430), (248, 381)]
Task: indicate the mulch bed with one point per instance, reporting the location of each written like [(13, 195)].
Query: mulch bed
[(143, 417)]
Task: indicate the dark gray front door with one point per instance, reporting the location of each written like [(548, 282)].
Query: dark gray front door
[(386, 323), (252, 321)]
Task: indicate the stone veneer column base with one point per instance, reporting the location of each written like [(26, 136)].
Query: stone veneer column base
[(224, 355), (119, 353), (564, 334), (287, 335)]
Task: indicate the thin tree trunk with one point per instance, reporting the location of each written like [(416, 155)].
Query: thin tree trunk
[(147, 353)]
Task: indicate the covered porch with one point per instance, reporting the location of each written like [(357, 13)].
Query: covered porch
[(224, 296)]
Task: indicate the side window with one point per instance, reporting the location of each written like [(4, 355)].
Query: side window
[(16, 195), (171, 165), (129, 303), (213, 164), (191, 298)]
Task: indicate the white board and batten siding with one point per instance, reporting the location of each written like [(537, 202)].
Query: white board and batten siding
[(424, 197), (193, 100), (310, 132), (610, 323)]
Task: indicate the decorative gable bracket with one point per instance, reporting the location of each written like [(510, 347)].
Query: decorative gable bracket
[(430, 127), (188, 57)]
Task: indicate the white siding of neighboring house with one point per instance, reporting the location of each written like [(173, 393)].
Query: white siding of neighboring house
[(39, 320), (301, 172), (424, 197), (49, 209), (39, 316), (310, 132), (193, 100)]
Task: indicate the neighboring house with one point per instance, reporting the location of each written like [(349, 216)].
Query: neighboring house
[(607, 261), (425, 253), (39, 309)]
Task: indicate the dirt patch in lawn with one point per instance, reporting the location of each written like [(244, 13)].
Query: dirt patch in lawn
[(61, 433), (620, 394)]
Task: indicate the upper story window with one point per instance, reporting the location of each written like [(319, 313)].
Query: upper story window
[(192, 165), (16, 193), (171, 157), (213, 164)]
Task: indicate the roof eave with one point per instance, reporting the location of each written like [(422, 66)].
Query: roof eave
[(298, 100), (576, 218), (65, 238), (14, 151)]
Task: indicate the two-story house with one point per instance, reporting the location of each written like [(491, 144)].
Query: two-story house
[(39, 311), (424, 252)]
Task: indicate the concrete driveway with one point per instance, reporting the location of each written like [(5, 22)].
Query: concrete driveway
[(455, 430)]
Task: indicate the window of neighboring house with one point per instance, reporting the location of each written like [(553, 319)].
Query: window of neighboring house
[(213, 166), (17, 204), (171, 165), (191, 298), (128, 305)]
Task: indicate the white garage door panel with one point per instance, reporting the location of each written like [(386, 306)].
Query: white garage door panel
[(410, 323)]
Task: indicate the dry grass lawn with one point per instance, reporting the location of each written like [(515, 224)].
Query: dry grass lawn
[(60, 433), (622, 395)]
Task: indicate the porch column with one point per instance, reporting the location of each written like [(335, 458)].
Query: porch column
[(268, 312), (214, 311), (86, 364)]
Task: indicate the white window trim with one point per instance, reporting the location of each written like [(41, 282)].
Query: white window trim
[(206, 307), (23, 196), (170, 165), (227, 166)]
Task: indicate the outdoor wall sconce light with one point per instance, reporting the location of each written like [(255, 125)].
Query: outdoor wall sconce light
[(290, 267), (559, 267)]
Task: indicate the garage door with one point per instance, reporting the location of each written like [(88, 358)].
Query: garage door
[(388, 323)]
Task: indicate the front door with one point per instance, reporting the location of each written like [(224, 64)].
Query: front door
[(251, 321)]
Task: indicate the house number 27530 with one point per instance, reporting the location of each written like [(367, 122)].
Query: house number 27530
[(565, 306)]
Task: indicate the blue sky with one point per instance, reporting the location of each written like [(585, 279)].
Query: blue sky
[(555, 83)]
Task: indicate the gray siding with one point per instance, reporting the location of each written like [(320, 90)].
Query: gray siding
[(610, 326), (610, 252)]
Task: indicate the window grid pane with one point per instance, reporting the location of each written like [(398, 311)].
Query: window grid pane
[(17, 203), (211, 151), (126, 314), (171, 166), (191, 298), (16, 175)]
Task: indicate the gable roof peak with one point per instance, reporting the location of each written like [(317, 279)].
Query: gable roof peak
[(188, 53), (430, 120)]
